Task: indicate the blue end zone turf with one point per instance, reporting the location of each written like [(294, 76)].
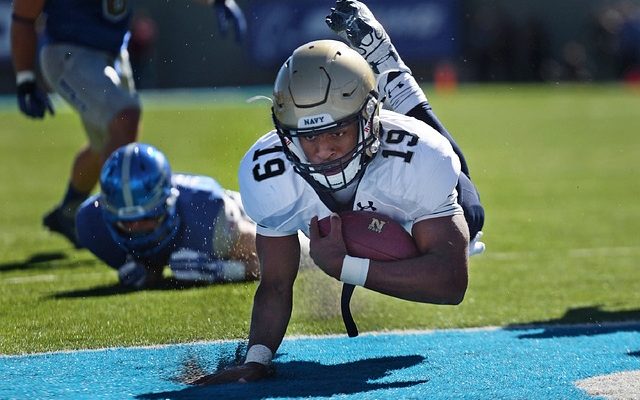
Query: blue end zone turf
[(525, 363)]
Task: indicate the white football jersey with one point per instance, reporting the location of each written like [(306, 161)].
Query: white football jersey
[(411, 178)]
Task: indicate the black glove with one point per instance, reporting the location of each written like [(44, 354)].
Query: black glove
[(227, 11), (33, 101)]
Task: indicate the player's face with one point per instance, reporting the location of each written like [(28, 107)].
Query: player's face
[(330, 145), (140, 226)]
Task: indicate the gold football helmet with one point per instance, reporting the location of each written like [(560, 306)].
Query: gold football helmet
[(322, 86)]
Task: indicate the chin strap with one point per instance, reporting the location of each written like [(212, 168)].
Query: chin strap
[(347, 318)]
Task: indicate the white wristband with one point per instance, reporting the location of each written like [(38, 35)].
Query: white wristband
[(25, 76), (259, 353), (354, 270)]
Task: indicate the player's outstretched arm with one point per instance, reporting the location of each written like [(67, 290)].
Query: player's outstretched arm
[(272, 305), (438, 275)]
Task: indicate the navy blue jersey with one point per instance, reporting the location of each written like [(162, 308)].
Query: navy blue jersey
[(99, 24), (199, 203)]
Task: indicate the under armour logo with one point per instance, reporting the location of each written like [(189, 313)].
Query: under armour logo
[(369, 207), (376, 225), (390, 91)]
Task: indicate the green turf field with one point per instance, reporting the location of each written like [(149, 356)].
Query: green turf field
[(557, 167)]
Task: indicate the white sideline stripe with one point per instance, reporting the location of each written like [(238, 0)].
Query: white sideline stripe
[(397, 332), (18, 280), (573, 253), (29, 279)]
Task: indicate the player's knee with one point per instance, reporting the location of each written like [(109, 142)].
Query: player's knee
[(474, 215), (124, 126), (122, 130)]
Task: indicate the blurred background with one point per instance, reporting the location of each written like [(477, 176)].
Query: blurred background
[(176, 44)]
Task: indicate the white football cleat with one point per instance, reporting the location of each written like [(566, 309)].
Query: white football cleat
[(355, 23), (476, 246)]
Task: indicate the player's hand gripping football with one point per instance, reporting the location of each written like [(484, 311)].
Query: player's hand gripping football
[(329, 251), (244, 373)]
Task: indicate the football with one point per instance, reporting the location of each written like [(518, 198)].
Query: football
[(373, 235)]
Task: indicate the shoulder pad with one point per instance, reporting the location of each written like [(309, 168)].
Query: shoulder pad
[(417, 161), (198, 183), (273, 194)]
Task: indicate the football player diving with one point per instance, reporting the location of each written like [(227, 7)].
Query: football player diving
[(147, 217), (335, 148)]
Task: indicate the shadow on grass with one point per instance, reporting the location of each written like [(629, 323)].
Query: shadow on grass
[(117, 289), (303, 379), (55, 259), (41, 260), (583, 321)]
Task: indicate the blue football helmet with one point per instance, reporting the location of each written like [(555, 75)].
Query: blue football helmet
[(136, 185)]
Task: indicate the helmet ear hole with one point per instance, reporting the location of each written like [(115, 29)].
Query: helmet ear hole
[(370, 108)]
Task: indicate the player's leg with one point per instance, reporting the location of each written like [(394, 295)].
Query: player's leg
[(110, 113), (124, 125), (469, 199), (354, 22)]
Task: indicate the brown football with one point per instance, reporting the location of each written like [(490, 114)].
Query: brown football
[(373, 235)]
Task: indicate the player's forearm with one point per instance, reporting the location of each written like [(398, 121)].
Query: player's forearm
[(24, 38), (23, 46), (430, 278), (271, 313), (439, 275)]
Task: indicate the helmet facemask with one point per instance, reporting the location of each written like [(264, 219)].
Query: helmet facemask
[(335, 174)]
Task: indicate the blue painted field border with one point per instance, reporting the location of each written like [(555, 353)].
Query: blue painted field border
[(538, 362)]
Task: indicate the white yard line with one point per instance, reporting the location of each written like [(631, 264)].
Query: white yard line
[(29, 279), (20, 280)]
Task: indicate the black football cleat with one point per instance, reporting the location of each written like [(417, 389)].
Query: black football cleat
[(355, 23), (57, 221)]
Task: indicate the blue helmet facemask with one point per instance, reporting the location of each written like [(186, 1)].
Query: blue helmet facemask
[(136, 185)]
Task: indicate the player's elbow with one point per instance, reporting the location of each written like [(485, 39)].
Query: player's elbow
[(446, 288), (457, 294), (456, 285)]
